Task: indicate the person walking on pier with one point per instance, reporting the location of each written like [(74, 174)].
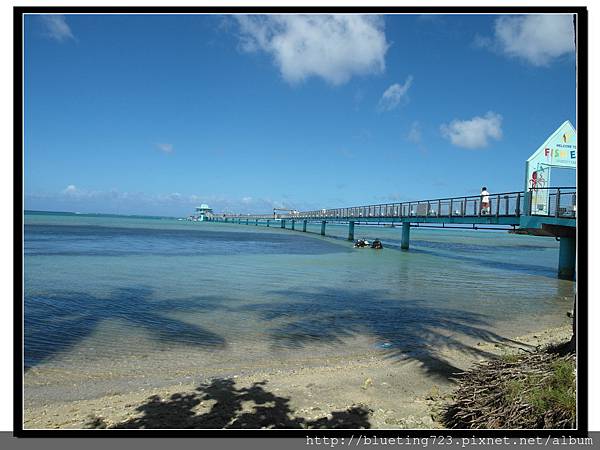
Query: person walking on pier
[(485, 201)]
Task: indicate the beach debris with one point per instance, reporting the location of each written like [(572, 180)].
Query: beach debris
[(368, 382), (533, 390)]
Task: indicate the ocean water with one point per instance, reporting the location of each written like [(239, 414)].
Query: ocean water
[(120, 301)]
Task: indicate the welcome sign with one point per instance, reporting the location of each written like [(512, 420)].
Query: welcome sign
[(559, 150)]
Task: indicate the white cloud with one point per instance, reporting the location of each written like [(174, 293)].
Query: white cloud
[(333, 47), (73, 198), (414, 134), (56, 27), (165, 148), (536, 39), (70, 190), (474, 133), (393, 95)]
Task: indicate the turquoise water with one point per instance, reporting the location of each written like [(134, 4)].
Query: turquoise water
[(152, 300)]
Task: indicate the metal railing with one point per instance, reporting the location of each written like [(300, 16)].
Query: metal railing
[(506, 204), (553, 202)]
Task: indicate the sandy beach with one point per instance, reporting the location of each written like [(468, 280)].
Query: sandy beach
[(364, 391)]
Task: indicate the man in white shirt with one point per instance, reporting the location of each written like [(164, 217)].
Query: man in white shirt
[(485, 201)]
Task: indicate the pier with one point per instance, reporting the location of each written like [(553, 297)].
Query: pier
[(538, 212)]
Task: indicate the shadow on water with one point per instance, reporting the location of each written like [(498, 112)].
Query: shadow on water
[(407, 329), (482, 261), (56, 322), (232, 407)]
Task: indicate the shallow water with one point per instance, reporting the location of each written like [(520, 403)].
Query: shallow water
[(150, 300)]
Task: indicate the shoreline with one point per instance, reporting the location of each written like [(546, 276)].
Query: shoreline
[(365, 390)]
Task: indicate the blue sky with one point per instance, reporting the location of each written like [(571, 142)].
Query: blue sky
[(155, 114)]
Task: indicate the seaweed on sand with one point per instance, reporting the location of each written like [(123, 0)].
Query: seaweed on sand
[(533, 390)]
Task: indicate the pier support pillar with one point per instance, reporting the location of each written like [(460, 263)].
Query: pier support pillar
[(405, 235), (304, 225), (323, 228), (566, 258), (351, 230), (246, 221), (268, 223), (282, 223), (256, 222), (293, 224)]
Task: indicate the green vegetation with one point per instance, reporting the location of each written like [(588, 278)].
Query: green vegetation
[(557, 391), (536, 390)]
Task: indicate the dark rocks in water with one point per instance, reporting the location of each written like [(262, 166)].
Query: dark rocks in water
[(377, 244), (363, 243)]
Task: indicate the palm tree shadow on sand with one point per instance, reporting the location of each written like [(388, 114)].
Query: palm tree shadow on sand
[(231, 407), (409, 329)]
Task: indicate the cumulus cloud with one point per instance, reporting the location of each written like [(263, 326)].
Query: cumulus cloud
[(474, 133), (395, 94), (332, 47), (56, 27), (536, 39), (165, 148)]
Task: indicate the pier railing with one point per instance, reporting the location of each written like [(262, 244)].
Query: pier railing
[(501, 205), (504, 204), (553, 202)]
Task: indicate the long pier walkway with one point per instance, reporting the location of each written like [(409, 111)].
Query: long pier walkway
[(540, 212)]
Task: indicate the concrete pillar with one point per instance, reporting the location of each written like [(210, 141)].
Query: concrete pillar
[(405, 235), (268, 223), (256, 222), (304, 225), (246, 221), (323, 228), (351, 230), (293, 224), (566, 258), (282, 223)]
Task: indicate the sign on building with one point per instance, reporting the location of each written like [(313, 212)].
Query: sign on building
[(559, 150)]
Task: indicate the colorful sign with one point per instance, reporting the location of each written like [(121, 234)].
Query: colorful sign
[(559, 150)]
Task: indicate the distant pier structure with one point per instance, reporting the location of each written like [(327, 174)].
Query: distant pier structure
[(203, 212)]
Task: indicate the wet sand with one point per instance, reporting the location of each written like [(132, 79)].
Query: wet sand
[(370, 390)]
